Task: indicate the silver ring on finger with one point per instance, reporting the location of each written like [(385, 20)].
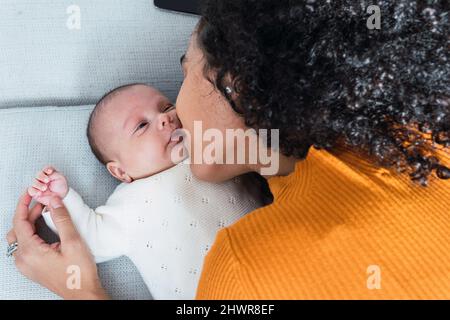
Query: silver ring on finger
[(12, 247)]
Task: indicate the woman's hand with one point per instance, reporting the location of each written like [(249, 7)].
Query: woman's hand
[(66, 267)]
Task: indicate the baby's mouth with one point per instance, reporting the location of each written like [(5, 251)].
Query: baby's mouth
[(176, 137)]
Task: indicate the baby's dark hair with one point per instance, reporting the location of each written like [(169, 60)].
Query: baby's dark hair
[(93, 143)]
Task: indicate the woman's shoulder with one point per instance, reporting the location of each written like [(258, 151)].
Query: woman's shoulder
[(329, 187), (330, 211)]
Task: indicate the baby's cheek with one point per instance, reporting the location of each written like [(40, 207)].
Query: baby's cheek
[(156, 154)]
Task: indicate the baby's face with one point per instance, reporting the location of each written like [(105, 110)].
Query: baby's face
[(136, 129)]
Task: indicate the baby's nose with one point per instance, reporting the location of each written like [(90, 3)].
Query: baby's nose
[(164, 120)]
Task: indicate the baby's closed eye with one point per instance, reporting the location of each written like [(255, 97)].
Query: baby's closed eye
[(169, 107), (141, 126)]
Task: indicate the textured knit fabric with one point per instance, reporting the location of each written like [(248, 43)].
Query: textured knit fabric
[(165, 224), (339, 228)]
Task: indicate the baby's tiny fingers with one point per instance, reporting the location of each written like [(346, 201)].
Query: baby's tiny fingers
[(56, 176), (42, 177), (49, 170), (33, 192), (39, 185)]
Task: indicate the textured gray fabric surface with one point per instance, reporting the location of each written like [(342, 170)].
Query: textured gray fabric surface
[(30, 138), (43, 62)]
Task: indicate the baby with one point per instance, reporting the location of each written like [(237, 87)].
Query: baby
[(161, 217)]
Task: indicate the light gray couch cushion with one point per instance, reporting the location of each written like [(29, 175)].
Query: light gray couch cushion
[(31, 138), (43, 62)]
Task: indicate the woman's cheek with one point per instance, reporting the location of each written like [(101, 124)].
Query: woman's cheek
[(179, 102), (191, 100)]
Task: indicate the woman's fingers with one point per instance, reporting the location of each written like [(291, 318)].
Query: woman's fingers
[(63, 223), (11, 236), (35, 242), (23, 204), (24, 220), (40, 244), (47, 263), (35, 213), (56, 246), (26, 249), (22, 226)]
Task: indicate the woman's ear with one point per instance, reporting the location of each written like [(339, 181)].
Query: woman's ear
[(116, 171)]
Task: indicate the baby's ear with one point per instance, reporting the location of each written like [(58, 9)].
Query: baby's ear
[(116, 171)]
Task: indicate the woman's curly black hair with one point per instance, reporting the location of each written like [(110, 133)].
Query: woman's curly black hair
[(314, 70)]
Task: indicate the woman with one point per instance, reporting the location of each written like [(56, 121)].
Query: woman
[(360, 199)]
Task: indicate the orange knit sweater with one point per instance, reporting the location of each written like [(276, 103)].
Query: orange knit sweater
[(339, 228)]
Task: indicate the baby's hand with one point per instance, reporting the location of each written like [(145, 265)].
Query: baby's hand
[(47, 184)]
